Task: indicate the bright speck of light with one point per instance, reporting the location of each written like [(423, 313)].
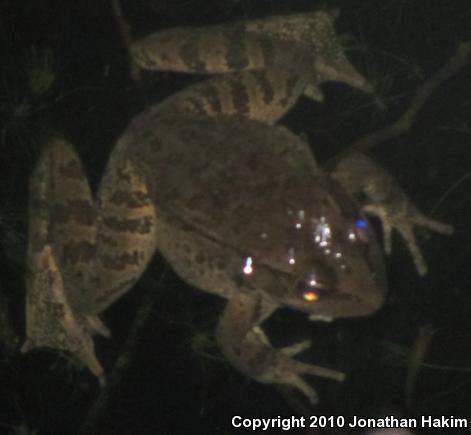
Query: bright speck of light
[(300, 220), (310, 296), (291, 258), (248, 268), (338, 255), (352, 236), (322, 233)]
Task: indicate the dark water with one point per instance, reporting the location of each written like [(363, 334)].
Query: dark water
[(177, 382)]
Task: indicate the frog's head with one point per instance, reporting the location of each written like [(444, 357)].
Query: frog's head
[(323, 258)]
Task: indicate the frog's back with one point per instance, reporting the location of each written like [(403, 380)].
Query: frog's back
[(206, 170)]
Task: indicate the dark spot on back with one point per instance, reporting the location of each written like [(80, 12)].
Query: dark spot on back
[(291, 83), (71, 169), (120, 261), (237, 59), (141, 226), (200, 258), (80, 211), (212, 96), (129, 199), (266, 87), (75, 251), (190, 54), (240, 97)]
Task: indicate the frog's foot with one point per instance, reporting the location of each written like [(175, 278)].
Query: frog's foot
[(381, 196), (51, 320), (314, 92), (279, 366), (403, 221)]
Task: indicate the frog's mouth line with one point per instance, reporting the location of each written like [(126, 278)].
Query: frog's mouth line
[(191, 227), (171, 216), (277, 293)]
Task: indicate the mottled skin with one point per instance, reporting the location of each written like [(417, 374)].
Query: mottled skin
[(236, 204)]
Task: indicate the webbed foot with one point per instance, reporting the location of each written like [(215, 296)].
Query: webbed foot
[(248, 349), (403, 221), (381, 196), (282, 368)]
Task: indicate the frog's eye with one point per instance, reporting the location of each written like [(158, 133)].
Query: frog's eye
[(359, 232), (311, 288)]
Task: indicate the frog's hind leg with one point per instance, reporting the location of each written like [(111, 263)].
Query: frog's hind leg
[(127, 231), (308, 40), (62, 235)]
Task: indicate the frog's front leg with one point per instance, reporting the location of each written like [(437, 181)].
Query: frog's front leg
[(382, 197), (246, 346)]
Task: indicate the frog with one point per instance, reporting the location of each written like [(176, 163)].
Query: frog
[(234, 201)]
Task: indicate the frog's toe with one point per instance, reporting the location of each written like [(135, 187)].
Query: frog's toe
[(314, 92), (96, 327), (282, 368), (409, 238), (288, 371), (296, 348), (321, 372), (298, 383), (405, 229), (433, 225), (404, 224), (387, 223)]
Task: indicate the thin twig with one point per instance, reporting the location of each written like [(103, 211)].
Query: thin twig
[(415, 360), (124, 30), (459, 59)]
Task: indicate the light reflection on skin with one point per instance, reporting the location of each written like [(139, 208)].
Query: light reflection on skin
[(299, 223), (291, 257), (322, 235), (248, 266)]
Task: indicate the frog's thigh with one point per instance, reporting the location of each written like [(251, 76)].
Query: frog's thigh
[(211, 50), (127, 232)]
